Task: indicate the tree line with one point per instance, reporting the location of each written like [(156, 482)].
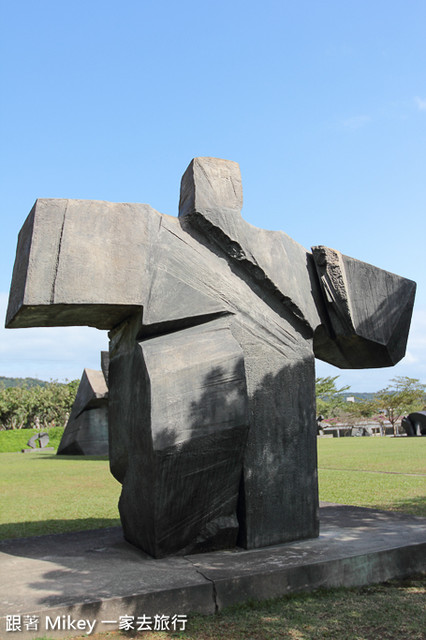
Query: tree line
[(37, 406), (402, 396), (26, 406)]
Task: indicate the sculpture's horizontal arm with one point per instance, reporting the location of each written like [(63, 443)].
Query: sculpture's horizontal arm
[(80, 263), (95, 263), (367, 312)]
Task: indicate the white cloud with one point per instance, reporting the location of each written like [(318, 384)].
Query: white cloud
[(421, 103)]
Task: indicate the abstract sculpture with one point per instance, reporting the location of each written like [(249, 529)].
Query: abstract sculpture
[(41, 438), (214, 325), (415, 424), (86, 432)]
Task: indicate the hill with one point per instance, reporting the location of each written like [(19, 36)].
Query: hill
[(25, 383), (365, 395)]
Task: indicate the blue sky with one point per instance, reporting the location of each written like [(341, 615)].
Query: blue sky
[(323, 105)]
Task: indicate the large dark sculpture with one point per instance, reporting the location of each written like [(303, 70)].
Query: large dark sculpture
[(214, 325), (415, 423)]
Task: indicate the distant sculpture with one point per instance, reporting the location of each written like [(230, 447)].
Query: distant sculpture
[(41, 438), (415, 423), (86, 432), (214, 326)]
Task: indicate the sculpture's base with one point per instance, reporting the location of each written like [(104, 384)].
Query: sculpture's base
[(95, 575), (38, 450)]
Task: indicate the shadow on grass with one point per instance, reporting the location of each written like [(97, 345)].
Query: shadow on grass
[(406, 507), (12, 530), (414, 506), (40, 454), (53, 456)]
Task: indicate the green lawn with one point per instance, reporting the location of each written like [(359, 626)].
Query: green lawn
[(401, 455), (15, 440), (44, 493), (382, 473)]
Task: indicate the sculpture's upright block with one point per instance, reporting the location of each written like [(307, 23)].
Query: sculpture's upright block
[(185, 424), (211, 185), (214, 326)]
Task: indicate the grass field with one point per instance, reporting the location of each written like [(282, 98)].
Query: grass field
[(382, 473), (43, 493), (396, 455), (13, 441)]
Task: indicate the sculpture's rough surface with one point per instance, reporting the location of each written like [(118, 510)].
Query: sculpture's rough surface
[(191, 402), (41, 438), (214, 325), (415, 423), (86, 432), (360, 300)]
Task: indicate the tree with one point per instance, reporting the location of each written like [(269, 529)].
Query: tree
[(329, 398), (402, 396), (46, 406), (14, 406)]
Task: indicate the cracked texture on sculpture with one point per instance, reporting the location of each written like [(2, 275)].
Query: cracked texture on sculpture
[(214, 325)]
